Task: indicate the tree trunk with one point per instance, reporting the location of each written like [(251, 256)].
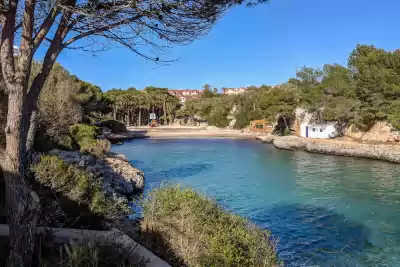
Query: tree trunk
[(128, 118), (31, 133), (114, 113), (140, 117), (165, 113), (22, 205)]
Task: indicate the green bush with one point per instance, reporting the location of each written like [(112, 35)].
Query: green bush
[(80, 131), (201, 233), (287, 132), (66, 142), (115, 126), (84, 135), (94, 146), (78, 185)]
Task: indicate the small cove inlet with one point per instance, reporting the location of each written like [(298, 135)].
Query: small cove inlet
[(325, 210)]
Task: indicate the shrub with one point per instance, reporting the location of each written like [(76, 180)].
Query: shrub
[(66, 142), (201, 233), (80, 131), (94, 146), (115, 126), (84, 135), (79, 186), (287, 132)]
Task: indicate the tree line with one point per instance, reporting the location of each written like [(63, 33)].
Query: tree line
[(362, 93), (133, 107)]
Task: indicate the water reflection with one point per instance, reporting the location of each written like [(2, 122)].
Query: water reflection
[(326, 210)]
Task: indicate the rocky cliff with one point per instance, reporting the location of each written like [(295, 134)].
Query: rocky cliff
[(380, 132), (118, 175)]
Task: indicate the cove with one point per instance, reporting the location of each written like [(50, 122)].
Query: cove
[(324, 210)]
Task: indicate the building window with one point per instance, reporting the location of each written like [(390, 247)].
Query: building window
[(320, 130), (313, 129), (259, 126)]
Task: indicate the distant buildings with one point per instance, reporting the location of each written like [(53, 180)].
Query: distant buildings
[(234, 91), (185, 95)]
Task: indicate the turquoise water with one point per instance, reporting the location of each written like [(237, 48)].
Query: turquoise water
[(325, 210)]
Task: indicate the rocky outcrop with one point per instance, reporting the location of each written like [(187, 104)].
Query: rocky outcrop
[(380, 132), (268, 138), (387, 152), (118, 175), (115, 138)]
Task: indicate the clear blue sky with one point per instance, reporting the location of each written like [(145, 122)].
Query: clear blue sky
[(253, 46)]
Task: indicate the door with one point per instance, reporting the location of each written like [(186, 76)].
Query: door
[(306, 131)]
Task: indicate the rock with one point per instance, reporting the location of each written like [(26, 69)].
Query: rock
[(269, 138), (385, 152), (381, 132), (118, 175)]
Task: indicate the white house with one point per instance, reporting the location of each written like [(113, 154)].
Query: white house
[(310, 128), (323, 130)]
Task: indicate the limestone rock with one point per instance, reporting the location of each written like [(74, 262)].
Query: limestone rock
[(268, 138), (380, 132), (387, 152), (118, 175)]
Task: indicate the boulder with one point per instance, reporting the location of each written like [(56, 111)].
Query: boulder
[(118, 175), (268, 138), (381, 132)]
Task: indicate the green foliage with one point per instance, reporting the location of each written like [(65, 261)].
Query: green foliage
[(78, 185), (81, 131), (84, 135), (287, 132), (201, 233), (94, 146)]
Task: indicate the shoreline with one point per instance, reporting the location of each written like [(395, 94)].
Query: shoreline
[(389, 152), (188, 133)]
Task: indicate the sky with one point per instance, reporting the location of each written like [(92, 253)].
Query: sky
[(252, 46)]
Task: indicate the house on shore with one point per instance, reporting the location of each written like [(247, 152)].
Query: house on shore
[(319, 130), (307, 125), (261, 126)]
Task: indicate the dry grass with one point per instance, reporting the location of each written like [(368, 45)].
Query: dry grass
[(201, 233), (79, 254)]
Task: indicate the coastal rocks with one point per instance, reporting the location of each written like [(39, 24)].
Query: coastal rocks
[(269, 138), (380, 132), (289, 142), (115, 138), (387, 152), (118, 175)]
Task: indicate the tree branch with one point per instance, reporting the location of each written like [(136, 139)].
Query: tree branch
[(101, 29), (45, 27)]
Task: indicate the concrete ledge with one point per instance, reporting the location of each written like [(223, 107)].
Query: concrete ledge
[(133, 250)]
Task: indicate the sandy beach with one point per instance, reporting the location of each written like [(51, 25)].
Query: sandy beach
[(166, 132)]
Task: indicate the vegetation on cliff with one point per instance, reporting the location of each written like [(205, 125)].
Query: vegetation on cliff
[(79, 186), (365, 92), (200, 233)]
